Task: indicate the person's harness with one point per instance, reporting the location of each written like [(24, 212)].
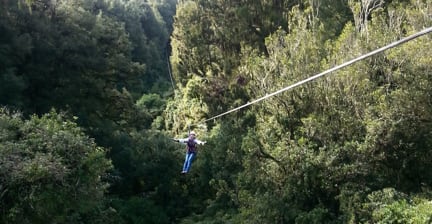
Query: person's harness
[(191, 145)]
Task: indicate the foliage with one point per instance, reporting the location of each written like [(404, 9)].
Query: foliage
[(351, 147), (50, 170), (391, 206), (140, 210), (313, 154)]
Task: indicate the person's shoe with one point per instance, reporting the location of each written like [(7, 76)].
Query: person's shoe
[(183, 172)]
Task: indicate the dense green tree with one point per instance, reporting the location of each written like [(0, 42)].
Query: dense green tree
[(390, 206), (72, 58), (50, 171), (333, 139), (148, 24), (147, 184), (87, 58)]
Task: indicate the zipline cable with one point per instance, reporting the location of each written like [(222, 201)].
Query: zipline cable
[(394, 44), (169, 70)]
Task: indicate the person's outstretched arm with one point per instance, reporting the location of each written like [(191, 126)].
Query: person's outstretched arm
[(181, 140), (199, 142)]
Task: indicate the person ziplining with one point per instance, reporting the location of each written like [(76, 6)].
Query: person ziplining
[(191, 150)]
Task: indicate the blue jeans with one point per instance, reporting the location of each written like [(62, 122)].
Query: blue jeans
[(188, 161)]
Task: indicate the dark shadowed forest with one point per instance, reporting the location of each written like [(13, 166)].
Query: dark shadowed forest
[(93, 93)]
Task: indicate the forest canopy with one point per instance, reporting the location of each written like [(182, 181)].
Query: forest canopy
[(92, 92)]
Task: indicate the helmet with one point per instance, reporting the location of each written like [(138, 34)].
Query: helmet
[(192, 133)]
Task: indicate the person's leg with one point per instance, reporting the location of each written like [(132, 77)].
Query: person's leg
[(185, 162), (189, 160)]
